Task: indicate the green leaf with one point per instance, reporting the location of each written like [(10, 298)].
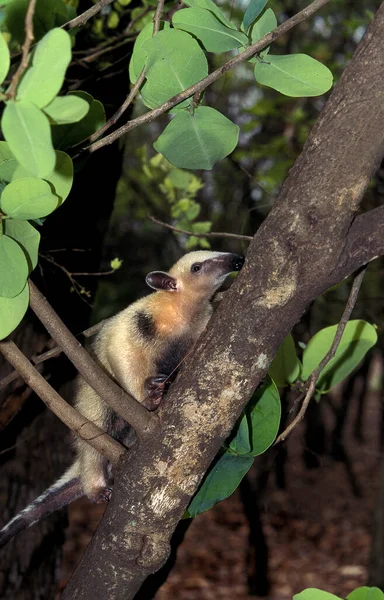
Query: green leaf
[(27, 236), (67, 109), (264, 25), (213, 8), (175, 62), (61, 178), (12, 310), (65, 136), (214, 35), (199, 140), (314, 594), (8, 163), (47, 15), (43, 80), (257, 429), (294, 75), (27, 131), (13, 268), (201, 227), (358, 337), (285, 367), (366, 593), (263, 413), (139, 57), (241, 443), (220, 482), (28, 198), (254, 9), (5, 59), (185, 208)]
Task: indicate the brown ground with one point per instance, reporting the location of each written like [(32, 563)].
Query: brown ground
[(317, 532)]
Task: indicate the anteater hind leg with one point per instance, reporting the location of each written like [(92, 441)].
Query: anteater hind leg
[(94, 475)]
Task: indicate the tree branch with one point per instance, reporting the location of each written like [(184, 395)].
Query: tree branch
[(312, 379), (25, 49), (127, 407), (52, 353), (135, 88), (217, 234), (81, 20), (200, 86), (85, 429)]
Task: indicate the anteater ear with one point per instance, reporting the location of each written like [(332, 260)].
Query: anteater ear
[(158, 280)]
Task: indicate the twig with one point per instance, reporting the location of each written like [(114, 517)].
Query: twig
[(135, 88), (85, 429), (157, 17), (120, 111), (81, 20), (125, 405), (25, 49), (312, 380), (217, 234), (204, 83), (52, 353)]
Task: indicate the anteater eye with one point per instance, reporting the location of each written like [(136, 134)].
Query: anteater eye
[(196, 267)]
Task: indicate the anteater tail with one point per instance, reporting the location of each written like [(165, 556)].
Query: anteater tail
[(61, 493)]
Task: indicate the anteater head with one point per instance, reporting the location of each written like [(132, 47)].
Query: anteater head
[(200, 272)]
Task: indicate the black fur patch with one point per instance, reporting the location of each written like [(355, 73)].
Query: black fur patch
[(173, 356), (145, 325)]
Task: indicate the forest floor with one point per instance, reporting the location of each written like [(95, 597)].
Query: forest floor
[(317, 531)]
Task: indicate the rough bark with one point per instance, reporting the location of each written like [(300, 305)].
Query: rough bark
[(296, 254)]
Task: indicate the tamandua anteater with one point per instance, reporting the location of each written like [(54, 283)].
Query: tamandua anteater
[(141, 347)]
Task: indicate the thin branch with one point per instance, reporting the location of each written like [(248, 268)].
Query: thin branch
[(125, 405), (85, 429), (52, 353), (82, 19), (25, 49), (157, 17), (204, 83), (217, 234), (312, 380), (120, 111), (135, 88)]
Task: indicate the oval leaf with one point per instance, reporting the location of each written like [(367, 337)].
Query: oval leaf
[(285, 367), (28, 134), (213, 8), (197, 141), (43, 80), (5, 59), (263, 413), (61, 178), (28, 198), (366, 593), (264, 25), (254, 9), (67, 109), (294, 75), (314, 594), (65, 136), (220, 482), (214, 35), (139, 57), (27, 236), (358, 337), (8, 163), (13, 267), (175, 62), (12, 310)]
